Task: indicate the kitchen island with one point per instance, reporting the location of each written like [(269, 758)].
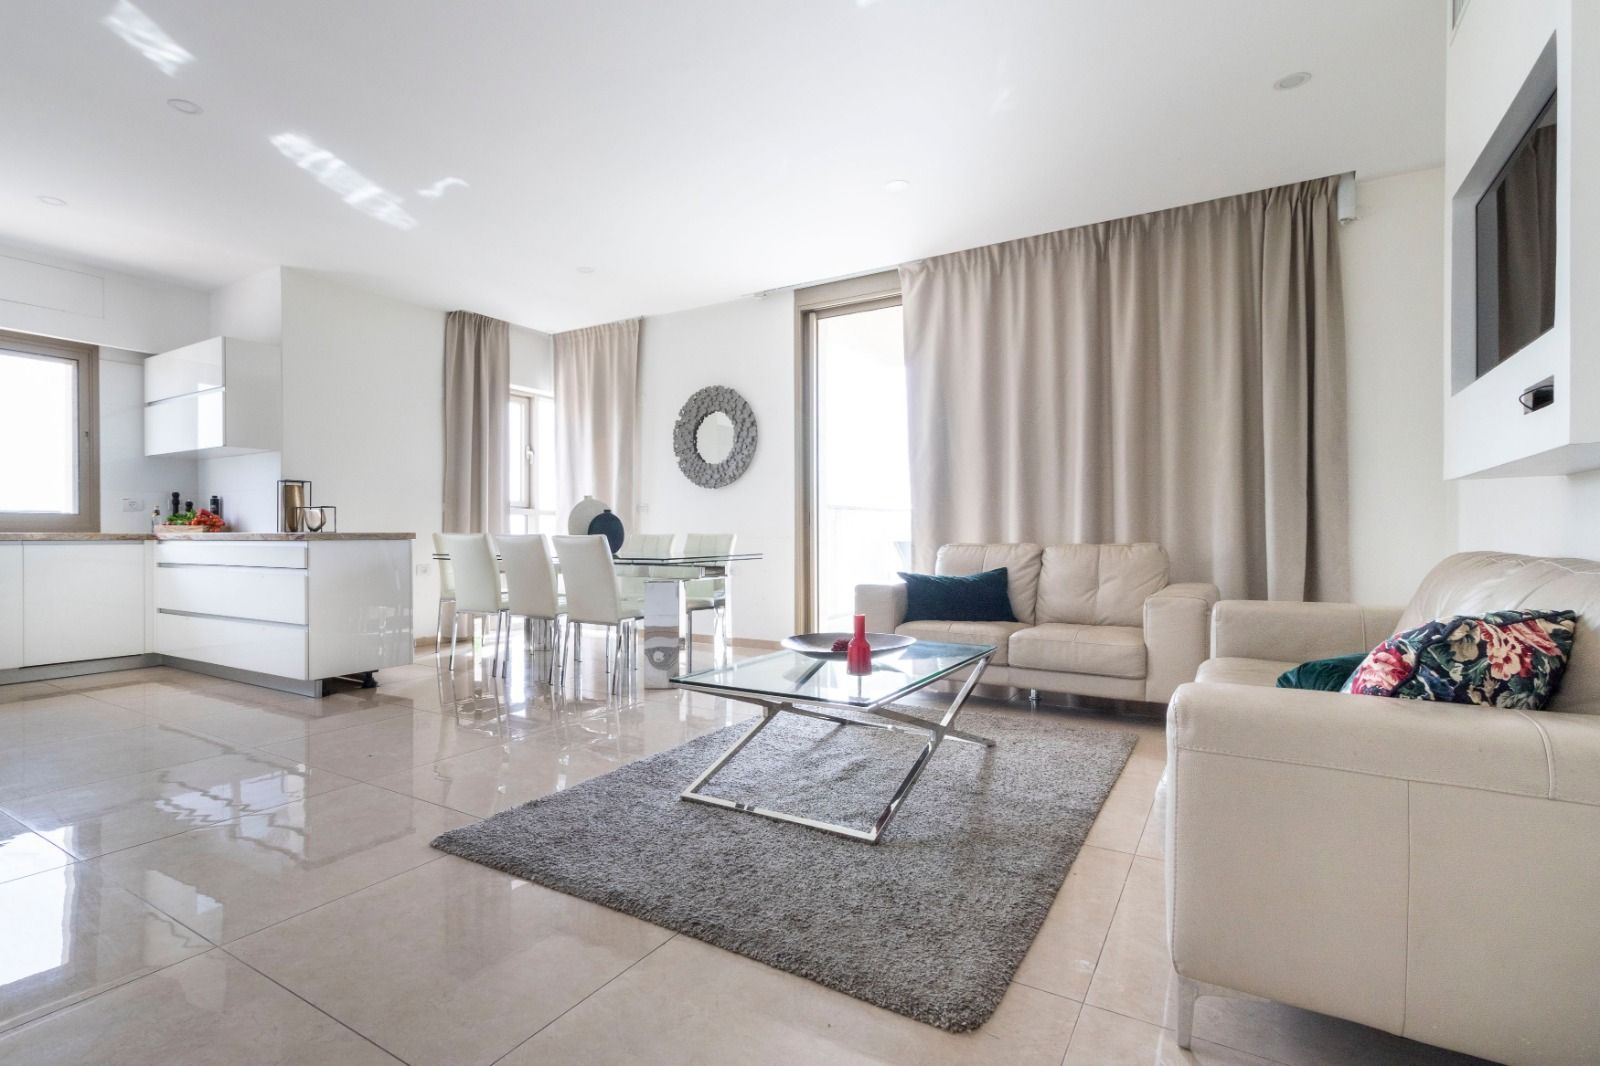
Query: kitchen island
[(284, 610)]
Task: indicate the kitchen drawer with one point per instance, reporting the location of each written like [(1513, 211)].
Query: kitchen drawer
[(281, 553), (267, 594), (264, 647)]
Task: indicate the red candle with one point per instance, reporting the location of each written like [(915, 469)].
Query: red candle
[(858, 657)]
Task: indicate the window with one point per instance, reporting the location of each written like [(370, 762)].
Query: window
[(50, 479), (855, 465), (531, 466)]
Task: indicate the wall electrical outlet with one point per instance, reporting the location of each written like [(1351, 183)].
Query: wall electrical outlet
[(132, 505), (424, 569)]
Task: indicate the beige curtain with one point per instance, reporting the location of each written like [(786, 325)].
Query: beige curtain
[(597, 417), (1175, 377), (477, 390)]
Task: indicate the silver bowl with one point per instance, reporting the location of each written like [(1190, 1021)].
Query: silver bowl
[(820, 645)]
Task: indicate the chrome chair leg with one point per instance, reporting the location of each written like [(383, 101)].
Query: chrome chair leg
[(455, 626)]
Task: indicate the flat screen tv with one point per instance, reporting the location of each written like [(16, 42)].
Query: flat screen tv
[(1516, 247)]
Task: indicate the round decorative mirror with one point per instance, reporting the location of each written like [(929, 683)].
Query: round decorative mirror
[(715, 437)]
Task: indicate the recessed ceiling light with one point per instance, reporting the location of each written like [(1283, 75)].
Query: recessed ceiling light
[(1292, 81), (53, 201), (188, 107), (586, 270), (897, 185)]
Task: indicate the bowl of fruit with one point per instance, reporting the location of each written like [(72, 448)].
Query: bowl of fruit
[(201, 521)]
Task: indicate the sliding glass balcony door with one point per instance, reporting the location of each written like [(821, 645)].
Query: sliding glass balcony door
[(860, 476)]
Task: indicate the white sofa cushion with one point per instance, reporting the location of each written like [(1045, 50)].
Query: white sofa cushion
[(1099, 584), (1259, 672), (996, 633), (1105, 651), (1020, 560)]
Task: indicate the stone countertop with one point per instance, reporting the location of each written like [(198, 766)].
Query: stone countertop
[(184, 534)]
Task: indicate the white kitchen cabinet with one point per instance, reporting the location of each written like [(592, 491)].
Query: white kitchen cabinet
[(10, 606), (222, 396), (298, 612), (82, 601)]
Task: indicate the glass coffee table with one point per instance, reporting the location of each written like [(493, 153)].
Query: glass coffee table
[(787, 682)]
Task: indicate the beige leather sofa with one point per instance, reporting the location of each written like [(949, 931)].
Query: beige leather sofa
[(1092, 619), (1428, 869)]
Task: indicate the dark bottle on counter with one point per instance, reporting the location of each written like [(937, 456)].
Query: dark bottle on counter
[(216, 506), (188, 507), (175, 499)]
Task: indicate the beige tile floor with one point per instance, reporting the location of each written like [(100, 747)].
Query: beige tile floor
[(197, 871)]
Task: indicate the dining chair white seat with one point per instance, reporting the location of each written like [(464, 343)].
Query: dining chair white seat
[(477, 581), (708, 593), (531, 588), (593, 598)]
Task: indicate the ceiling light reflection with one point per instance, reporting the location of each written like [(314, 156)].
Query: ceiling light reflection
[(146, 38), (437, 189), (353, 187)]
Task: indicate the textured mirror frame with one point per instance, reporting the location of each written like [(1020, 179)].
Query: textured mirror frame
[(685, 437)]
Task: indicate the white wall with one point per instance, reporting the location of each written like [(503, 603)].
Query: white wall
[(1402, 511), (747, 345), (56, 297), (363, 399), (251, 309), (533, 360), (127, 477)]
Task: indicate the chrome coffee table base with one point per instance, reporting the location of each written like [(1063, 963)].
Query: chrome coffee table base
[(898, 721)]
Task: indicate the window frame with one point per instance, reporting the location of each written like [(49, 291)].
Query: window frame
[(869, 292), (528, 472), (87, 517)]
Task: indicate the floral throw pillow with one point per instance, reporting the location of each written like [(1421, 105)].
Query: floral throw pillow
[(1503, 659)]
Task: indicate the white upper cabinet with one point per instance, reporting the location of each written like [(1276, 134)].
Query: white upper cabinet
[(222, 396)]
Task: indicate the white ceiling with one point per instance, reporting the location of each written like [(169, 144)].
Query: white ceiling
[(689, 151)]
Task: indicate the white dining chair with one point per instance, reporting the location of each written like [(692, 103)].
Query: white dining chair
[(447, 589), (477, 583), (531, 591), (593, 598), (707, 594), (646, 546)]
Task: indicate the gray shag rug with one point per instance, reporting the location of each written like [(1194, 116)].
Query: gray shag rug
[(931, 922)]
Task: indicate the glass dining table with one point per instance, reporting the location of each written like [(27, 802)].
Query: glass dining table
[(664, 577)]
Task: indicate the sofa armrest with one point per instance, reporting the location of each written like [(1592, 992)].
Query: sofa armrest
[(1177, 633), (1407, 740), (1287, 631), (884, 606)]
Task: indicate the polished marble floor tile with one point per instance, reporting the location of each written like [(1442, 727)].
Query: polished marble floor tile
[(1121, 821), (1106, 1039), (450, 963), (501, 776), (690, 1003), (1066, 950), (1135, 968), (56, 764), (106, 816), (205, 1010), (231, 880), (24, 852), (70, 933), (368, 752), (61, 716), (28, 690)]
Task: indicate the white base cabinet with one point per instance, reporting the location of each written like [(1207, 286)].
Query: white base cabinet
[(302, 611), (10, 606), (82, 601)]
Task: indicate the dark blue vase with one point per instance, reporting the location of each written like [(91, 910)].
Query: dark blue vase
[(609, 526)]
